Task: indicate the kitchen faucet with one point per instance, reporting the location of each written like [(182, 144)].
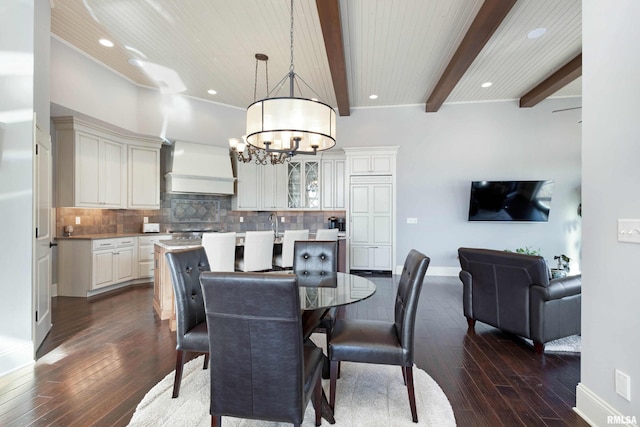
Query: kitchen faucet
[(274, 223)]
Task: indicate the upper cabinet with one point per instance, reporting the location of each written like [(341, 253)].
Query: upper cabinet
[(372, 164), (333, 180), (260, 187), (303, 183), (144, 178), (98, 167)]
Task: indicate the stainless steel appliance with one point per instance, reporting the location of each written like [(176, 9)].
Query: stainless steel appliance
[(333, 222)]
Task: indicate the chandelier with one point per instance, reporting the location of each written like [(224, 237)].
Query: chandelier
[(291, 125), (246, 153)]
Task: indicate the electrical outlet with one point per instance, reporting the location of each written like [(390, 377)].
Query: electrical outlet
[(241, 219), (281, 219), (623, 385), (77, 220), (145, 219)]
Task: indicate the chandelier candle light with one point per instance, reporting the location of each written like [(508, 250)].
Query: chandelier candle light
[(291, 125)]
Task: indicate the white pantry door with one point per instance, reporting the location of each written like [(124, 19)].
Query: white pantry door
[(42, 260)]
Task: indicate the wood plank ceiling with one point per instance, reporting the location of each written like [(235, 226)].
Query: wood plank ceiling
[(409, 52)]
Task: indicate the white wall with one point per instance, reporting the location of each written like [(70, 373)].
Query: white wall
[(441, 153), (611, 149), (82, 85), (188, 119), (22, 24)]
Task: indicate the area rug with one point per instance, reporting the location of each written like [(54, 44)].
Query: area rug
[(571, 344), (367, 395)]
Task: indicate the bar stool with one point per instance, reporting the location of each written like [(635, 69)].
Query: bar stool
[(258, 251)]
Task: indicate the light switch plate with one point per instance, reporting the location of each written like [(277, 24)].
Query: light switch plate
[(77, 220), (629, 230), (412, 220)]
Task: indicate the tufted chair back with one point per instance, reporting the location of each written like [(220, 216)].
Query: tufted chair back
[(191, 328), (186, 267), (406, 306), (315, 257), (260, 367)]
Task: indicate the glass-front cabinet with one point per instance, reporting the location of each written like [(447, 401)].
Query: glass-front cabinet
[(303, 182)]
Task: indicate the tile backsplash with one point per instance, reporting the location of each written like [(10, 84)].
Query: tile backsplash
[(187, 212)]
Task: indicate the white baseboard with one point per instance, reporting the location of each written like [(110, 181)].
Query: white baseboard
[(54, 290), (15, 358), (597, 412), (435, 271)]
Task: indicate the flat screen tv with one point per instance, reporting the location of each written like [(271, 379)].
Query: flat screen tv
[(520, 201)]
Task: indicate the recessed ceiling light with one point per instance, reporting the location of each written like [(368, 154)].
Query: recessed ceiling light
[(105, 42), (373, 96), (486, 84), (538, 32), (135, 62), (212, 92)]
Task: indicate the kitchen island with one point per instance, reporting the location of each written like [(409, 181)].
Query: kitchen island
[(163, 299)]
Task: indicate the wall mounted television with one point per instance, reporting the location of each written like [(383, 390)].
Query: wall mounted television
[(517, 201)]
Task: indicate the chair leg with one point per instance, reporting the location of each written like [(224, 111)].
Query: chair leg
[(408, 371), (317, 397), (216, 420), (178, 378), (206, 361), (332, 384), (471, 323), (538, 347)]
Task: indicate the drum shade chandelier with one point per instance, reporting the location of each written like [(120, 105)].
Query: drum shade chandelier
[(247, 153), (291, 125)]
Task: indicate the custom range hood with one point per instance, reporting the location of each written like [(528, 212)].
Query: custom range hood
[(199, 168)]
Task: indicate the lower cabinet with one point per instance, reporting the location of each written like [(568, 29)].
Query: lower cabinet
[(146, 265), (87, 267)]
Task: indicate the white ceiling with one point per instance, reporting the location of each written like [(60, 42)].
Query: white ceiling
[(397, 49)]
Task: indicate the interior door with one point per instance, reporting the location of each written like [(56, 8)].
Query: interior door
[(42, 260)]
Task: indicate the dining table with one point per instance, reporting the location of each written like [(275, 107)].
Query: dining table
[(318, 294)]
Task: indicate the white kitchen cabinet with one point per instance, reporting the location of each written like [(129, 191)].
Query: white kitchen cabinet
[(371, 212), (371, 230), (88, 267), (332, 176), (144, 177), (100, 172), (372, 164), (274, 187), (261, 187), (303, 184), (99, 167), (113, 261), (146, 265), (247, 186)]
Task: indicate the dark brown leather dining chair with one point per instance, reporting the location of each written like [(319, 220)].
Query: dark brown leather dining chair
[(385, 343), (191, 324), (260, 367), (317, 258)]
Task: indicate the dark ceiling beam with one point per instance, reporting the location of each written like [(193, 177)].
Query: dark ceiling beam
[(488, 19), (329, 12), (565, 75)]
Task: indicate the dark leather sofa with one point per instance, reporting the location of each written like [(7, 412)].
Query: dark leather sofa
[(513, 292)]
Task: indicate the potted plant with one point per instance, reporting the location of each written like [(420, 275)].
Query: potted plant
[(563, 266)]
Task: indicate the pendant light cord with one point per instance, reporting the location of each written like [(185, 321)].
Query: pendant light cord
[(291, 66)]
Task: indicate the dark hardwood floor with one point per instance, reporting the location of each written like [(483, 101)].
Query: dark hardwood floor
[(103, 355)]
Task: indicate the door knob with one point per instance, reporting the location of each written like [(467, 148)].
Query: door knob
[(51, 244)]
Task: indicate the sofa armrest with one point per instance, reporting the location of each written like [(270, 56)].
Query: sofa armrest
[(559, 288), (467, 302)]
